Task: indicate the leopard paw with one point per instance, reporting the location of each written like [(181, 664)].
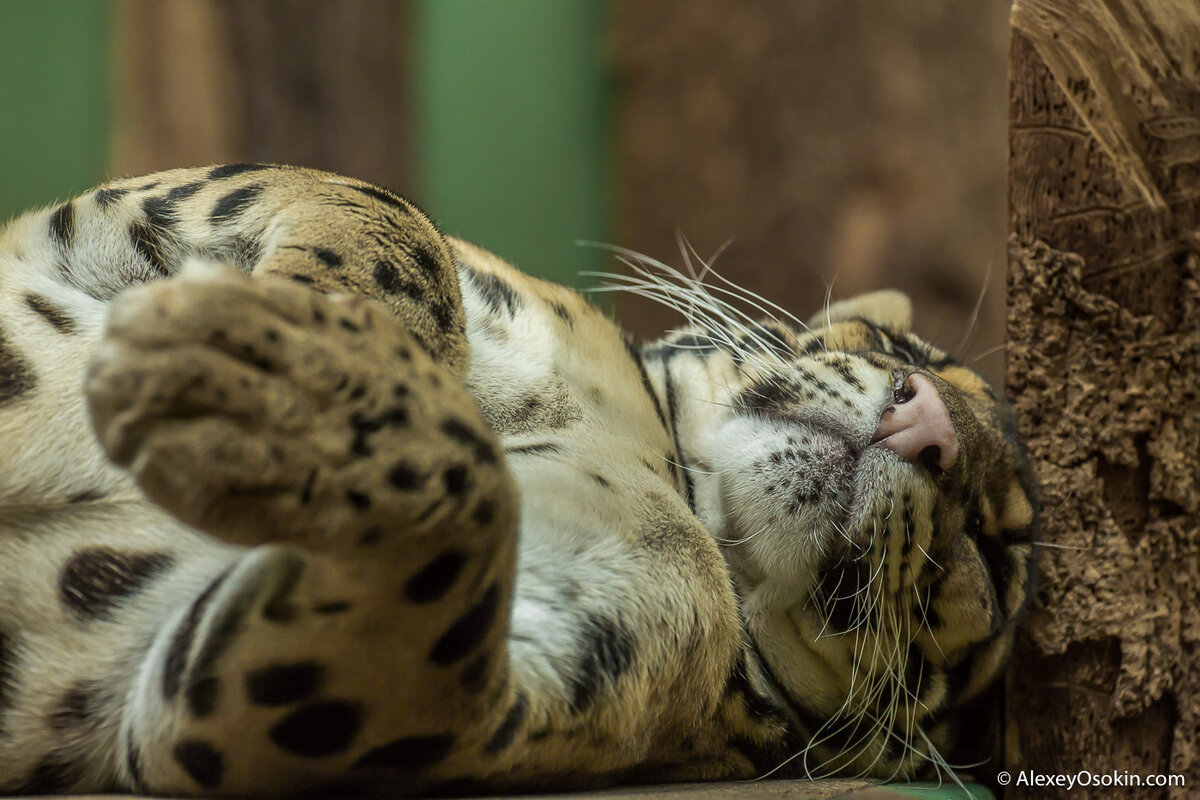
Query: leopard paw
[(259, 410)]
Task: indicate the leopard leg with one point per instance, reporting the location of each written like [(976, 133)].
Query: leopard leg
[(381, 517)]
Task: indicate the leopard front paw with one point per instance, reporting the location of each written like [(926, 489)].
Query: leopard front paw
[(259, 410)]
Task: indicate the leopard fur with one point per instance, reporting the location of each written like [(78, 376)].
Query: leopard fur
[(299, 494)]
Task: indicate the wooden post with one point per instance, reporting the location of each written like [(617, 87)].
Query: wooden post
[(1104, 372), (294, 81), (855, 141)]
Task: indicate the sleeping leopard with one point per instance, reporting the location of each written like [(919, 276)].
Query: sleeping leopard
[(298, 494)]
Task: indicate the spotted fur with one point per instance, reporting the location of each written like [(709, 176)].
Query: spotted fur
[(297, 494)]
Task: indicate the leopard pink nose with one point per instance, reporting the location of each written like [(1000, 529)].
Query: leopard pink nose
[(910, 428)]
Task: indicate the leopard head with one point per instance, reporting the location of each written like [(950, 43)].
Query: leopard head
[(877, 511)]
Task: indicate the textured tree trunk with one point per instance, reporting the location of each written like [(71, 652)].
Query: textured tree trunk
[(1104, 370), (295, 81)]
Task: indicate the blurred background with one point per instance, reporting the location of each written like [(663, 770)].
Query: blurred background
[(856, 144)]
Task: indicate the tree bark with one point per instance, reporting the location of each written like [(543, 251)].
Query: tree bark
[(292, 81), (1104, 369)]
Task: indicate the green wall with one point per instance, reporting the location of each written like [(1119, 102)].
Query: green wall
[(54, 100), (513, 122), (514, 130)]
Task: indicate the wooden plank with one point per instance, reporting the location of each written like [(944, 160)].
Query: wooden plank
[(293, 81), (1104, 366)]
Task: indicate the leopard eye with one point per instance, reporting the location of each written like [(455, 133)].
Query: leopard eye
[(902, 388)]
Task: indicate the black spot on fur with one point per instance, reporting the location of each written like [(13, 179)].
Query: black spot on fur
[(530, 405), (455, 478), (57, 773), (160, 211), (181, 642), (94, 582), (504, 735), (284, 683), (841, 587), (635, 355), (916, 669), (146, 241), (365, 426), (201, 696), (382, 195), (133, 762), (762, 756), (435, 578), (608, 651), (444, 314), (332, 607), (484, 513), (928, 614), (370, 536), (328, 257), (562, 313), (201, 761), (404, 476), (234, 203), (672, 398), (499, 296), (411, 754), (999, 565), (62, 225), (600, 479), (229, 170), (16, 377), (306, 490), (319, 729), (474, 676), (51, 313), (693, 343), (431, 262), (360, 500), (468, 631), (738, 684), (459, 431), (769, 395), (78, 705), (106, 197), (8, 670), (388, 277), (304, 279), (532, 449)]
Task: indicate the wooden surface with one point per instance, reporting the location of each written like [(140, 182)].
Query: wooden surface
[(748, 790), (1104, 369)]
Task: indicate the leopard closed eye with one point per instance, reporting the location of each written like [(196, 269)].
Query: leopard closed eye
[(299, 494)]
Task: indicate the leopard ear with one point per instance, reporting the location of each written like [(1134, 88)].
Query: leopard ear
[(887, 308)]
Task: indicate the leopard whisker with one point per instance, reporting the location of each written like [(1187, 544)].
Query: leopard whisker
[(751, 297), (697, 291), (978, 307)]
